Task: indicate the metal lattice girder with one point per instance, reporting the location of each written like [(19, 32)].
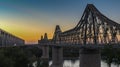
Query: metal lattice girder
[(93, 28)]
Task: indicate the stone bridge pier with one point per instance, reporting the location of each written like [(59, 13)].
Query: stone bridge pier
[(57, 56), (44, 46), (45, 55), (89, 57), (45, 49)]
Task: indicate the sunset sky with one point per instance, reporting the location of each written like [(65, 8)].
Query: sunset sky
[(29, 19)]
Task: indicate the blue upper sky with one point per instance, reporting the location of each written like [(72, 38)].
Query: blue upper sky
[(39, 16), (58, 7)]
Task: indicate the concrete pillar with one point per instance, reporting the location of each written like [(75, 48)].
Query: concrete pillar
[(57, 56), (45, 49), (90, 57)]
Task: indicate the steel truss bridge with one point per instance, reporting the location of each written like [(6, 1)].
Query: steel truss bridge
[(93, 28), (93, 31)]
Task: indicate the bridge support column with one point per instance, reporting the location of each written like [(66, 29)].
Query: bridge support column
[(45, 52), (90, 57), (57, 56), (45, 56)]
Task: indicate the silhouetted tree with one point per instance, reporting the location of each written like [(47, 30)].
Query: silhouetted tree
[(117, 57), (108, 55), (13, 57), (19, 56)]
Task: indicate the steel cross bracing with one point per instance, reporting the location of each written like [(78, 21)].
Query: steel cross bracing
[(93, 28)]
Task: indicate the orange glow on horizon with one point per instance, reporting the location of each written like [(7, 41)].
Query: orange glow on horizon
[(31, 34)]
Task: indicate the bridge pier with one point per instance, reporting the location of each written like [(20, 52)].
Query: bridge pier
[(45, 56), (57, 56), (45, 49), (90, 57)]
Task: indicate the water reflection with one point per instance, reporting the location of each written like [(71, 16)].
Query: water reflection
[(75, 63)]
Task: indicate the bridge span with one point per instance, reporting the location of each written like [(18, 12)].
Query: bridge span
[(93, 31)]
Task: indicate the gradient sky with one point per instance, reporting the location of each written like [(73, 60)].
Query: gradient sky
[(29, 19)]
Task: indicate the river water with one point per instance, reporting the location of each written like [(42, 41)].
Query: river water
[(70, 63), (75, 63)]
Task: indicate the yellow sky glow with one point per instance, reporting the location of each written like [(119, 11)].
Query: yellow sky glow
[(28, 32)]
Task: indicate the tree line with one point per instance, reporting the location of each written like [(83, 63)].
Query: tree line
[(109, 54), (24, 57), (19, 57)]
